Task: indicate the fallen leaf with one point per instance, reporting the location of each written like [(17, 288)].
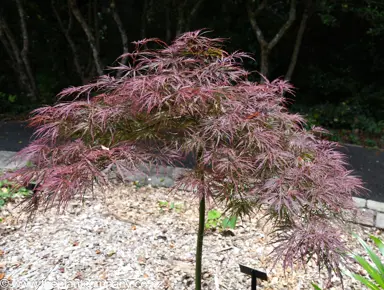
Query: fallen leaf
[(110, 254), (133, 228), (253, 115), (2, 275), (98, 252), (103, 276), (146, 276)]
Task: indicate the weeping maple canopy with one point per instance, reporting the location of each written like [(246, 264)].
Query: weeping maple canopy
[(194, 97)]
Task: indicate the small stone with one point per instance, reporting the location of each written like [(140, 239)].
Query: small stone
[(97, 207)]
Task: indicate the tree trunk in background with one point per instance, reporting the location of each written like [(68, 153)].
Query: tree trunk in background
[(123, 34), (264, 62), (89, 70), (265, 46), (16, 63), (299, 39), (185, 15), (192, 14), (143, 28), (96, 24), (72, 45), (25, 50), (8, 48), (168, 22), (10, 44), (91, 38), (180, 16)]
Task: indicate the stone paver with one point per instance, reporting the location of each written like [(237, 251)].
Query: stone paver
[(380, 220), (375, 205), (366, 217), (6, 161), (360, 202)]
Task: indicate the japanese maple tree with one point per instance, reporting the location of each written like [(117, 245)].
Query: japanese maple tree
[(192, 97)]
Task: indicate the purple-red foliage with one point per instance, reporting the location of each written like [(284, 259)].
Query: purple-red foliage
[(193, 96)]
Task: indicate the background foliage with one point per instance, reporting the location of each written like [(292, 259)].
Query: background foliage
[(338, 73)]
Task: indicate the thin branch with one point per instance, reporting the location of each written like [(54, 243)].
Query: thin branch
[(10, 38), (7, 46), (91, 38), (252, 19), (96, 24), (266, 46), (69, 39), (123, 33), (299, 39), (192, 14), (180, 17), (143, 28), (70, 21), (168, 24), (286, 26), (24, 52)]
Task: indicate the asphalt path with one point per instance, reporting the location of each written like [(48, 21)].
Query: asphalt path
[(14, 136), (367, 163)]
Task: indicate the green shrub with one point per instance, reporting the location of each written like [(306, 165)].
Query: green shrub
[(216, 220), (349, 122), (8, 191)]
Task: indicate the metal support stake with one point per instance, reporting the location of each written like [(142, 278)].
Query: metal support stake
[(254, 275)]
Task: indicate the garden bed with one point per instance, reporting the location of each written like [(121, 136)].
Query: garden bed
[(141, 238)]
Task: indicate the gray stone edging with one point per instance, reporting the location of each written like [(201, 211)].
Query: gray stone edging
[(371, 212)]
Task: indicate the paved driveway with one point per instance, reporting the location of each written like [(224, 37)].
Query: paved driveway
[(14, 136)]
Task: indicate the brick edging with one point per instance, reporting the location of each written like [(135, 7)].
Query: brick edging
[(371, 212)]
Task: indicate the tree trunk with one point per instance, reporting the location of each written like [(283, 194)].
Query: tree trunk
[(7, 48), (264, 63), (91, 38), (96, 24), (199, 244), (24, 52), (192, 14), (123, 34), (10, 44), (13, 63), (180, 17), (143, 29), (168, 23), (72, 45), (266, 46), (299, 39)]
